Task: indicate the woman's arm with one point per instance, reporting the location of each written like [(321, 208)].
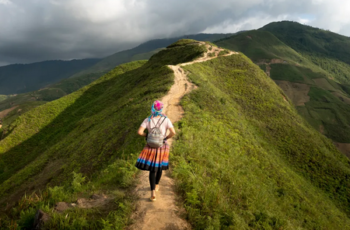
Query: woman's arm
[(140, 131), (171, 134)]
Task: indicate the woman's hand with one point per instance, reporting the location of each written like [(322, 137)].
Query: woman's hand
[(171, 134)]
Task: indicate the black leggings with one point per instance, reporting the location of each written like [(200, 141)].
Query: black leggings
[(153, 179)]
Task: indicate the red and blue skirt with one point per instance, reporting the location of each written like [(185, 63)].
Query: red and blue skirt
[(154, 159)]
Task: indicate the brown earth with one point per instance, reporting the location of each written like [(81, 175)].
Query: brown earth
[(4, 114), (324, 84), (268, 70), (297, 92), (344, 148), (272, 61), (164, 213), (321, 128), (7, 111), (267, 63), (342, 97)]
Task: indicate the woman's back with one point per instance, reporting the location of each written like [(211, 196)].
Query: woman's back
[(164, 123)]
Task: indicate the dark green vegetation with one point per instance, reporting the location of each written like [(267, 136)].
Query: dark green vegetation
[(259, 45), (328, 50), (80, 144), (294, 73), (327, 112), (246, 160), (21, 78), (178, 52)]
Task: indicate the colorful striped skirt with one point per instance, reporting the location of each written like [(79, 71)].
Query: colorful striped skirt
[(153, 159)]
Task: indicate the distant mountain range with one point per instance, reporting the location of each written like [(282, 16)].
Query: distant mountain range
[(42, 91), (142, 52), (22, 78)]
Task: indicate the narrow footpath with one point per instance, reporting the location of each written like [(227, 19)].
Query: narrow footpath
[(164, 213)]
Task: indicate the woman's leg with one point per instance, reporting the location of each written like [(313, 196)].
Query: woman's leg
[(158, 176), (152, 180)]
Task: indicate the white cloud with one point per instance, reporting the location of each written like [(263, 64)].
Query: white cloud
[(5, 2), (303, 20), (250, 23)]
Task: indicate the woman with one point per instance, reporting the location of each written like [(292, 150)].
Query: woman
[(155, 160)]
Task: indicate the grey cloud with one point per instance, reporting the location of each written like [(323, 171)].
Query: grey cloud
[(66, 29)]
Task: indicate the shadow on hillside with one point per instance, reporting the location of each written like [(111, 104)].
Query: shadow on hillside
[(89, 104)]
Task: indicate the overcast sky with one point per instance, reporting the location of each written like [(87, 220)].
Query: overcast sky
[(37, 30)]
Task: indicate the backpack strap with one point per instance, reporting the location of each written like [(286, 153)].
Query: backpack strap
[(150, 124), (155, 125), (162, 123)]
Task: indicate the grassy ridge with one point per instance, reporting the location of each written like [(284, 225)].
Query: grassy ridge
[(326, 113), (91, 132), (260, 45), (245, 160), (309, 39)]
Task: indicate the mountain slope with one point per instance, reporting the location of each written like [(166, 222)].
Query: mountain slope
[(243, 158), (319, 99), (328, 50), (21, 78)]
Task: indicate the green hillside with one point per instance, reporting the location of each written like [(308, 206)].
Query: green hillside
[(326, 49), (260, 45), (243, 158), (318, 97), (84, 132), (21, 78)]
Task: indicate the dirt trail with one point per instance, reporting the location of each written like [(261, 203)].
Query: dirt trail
[(7, 111), (164, 213), (4, 113)]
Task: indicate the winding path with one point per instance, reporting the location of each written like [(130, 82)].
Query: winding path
[(164, 213)]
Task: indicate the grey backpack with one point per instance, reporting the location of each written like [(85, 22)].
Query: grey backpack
[(155, 138)]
